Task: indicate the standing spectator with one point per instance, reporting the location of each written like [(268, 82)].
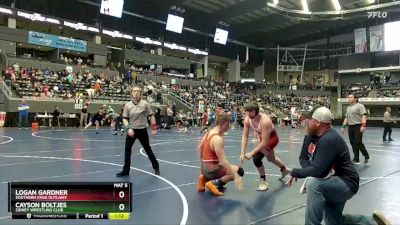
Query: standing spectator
[(56, 115), (387, 124), (164, 117), (129, 77), (135, 76), (195, 117), (189, 117), (84, 115), (356, 119), (157, 115), (174, 109), (159, 97), (211, 117), (170, 118), (103, 113), (204, 120), (234, 117), (23, 109)]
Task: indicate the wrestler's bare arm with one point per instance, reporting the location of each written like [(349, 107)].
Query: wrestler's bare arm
[(217, 144), (245, 135)]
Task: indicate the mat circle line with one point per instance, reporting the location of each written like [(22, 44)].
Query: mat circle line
[(10, 139)]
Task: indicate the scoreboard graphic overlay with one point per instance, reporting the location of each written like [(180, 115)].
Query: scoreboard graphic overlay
[(70, 200)]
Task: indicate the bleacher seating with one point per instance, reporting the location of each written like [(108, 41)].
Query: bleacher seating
[(372, 90), (236, 95)]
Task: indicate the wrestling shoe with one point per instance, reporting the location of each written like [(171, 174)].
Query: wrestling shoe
[(263, 186), (213, 188), (201, 183)]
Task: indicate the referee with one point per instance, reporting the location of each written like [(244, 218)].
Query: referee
[(135, 116), (387, 124), (356, 119)]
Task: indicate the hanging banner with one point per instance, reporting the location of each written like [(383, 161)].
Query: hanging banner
[(54, 41), (376, 38), (360, 40)]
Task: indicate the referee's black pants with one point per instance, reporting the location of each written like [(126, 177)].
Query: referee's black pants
[(387, 129), (357, 145), (143, 137)]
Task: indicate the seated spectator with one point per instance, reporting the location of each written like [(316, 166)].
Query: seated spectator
[(97, 87), (16, 67), (8, 77)]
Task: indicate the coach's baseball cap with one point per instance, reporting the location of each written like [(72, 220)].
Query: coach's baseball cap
[(322, 114)]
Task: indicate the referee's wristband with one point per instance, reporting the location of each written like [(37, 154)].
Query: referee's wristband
[(154, 126), (128, 127), (344, 126)]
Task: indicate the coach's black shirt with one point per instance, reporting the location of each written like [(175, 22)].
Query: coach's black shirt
[(320, 154)]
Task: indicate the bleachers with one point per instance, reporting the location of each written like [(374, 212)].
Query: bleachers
[(55, 66), (236, 95), (65, 85), (372, 90), (24, 89), (52, 84)]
